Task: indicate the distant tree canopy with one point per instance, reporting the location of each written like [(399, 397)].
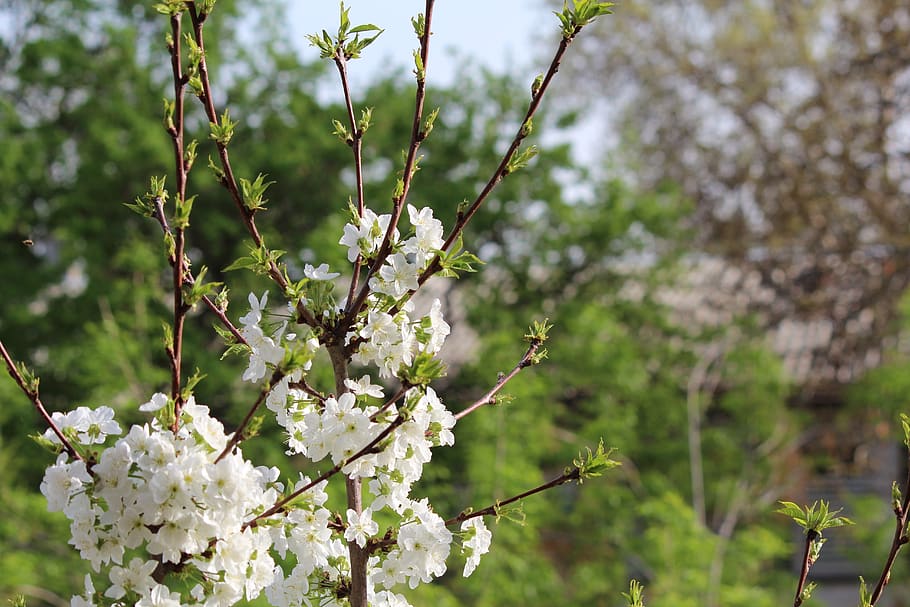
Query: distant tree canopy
[(786, 124)]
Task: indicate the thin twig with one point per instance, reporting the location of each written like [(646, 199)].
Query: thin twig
[(367, 450), (228, 180), (356, 144), (487, 399), (238, 436), (303, 385), (190, 280), (398, 202), (464, 217), (385, 406), (900, 538), (33, 396), (179, 270), (811, 536), (492, 510)]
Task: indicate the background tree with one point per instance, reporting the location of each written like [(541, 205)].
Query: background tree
[(784, 123)]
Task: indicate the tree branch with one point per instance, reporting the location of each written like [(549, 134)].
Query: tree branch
[(570, 475), (811, 535), (237, 437), (500, 172), (32, 394), (279, 506), (399, 201), (176, 131), (228, 180), (900, 538), (487, 399)]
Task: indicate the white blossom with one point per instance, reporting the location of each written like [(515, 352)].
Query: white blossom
[(360, 527), (158, 401), (364, 387), (319, 273), (476, 542)]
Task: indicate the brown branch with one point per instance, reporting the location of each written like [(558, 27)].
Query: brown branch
[(493, 510), (190, 280), (811, 536), (385, 406), (238, 436), (500, 172), (900, 538), (228, 180), (33, 396), (367, 450), (356, 144), (175, 349), (398, 202), (487, 399), (303, 385)]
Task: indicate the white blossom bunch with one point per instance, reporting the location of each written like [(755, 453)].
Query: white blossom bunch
[(164, 500), (158, 501)]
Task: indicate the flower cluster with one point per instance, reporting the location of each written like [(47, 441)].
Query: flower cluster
[(160, 501), (168, 500), (400, 271)]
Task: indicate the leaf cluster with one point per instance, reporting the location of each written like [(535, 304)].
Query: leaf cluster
[(814, 519), (342, 45)]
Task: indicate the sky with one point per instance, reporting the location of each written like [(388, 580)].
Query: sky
[(498, 34), (516, 37)]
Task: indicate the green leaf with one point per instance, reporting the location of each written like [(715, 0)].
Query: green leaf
[(169, 115), (191, 383), (323, 43), (905, 424), (193, 293), (342, 132), (456, 260), (18, 600), (520, 159), (593, 464), (223, 130), (636, 594), (345, 22), (366, 119), (419, 23), (259, 260), (141, 206), (182, 210), (353, 49), (168, 336), (226, 335), (425, 369), (205, 7), (369, 27), (538, 331), (46, 444), (252, 192), (419, 69), (535, 86), (806, 594), (815, 518), (428, 124), (189, 155), (865, 597), (527, 127), (170, 7), (582, 13)]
